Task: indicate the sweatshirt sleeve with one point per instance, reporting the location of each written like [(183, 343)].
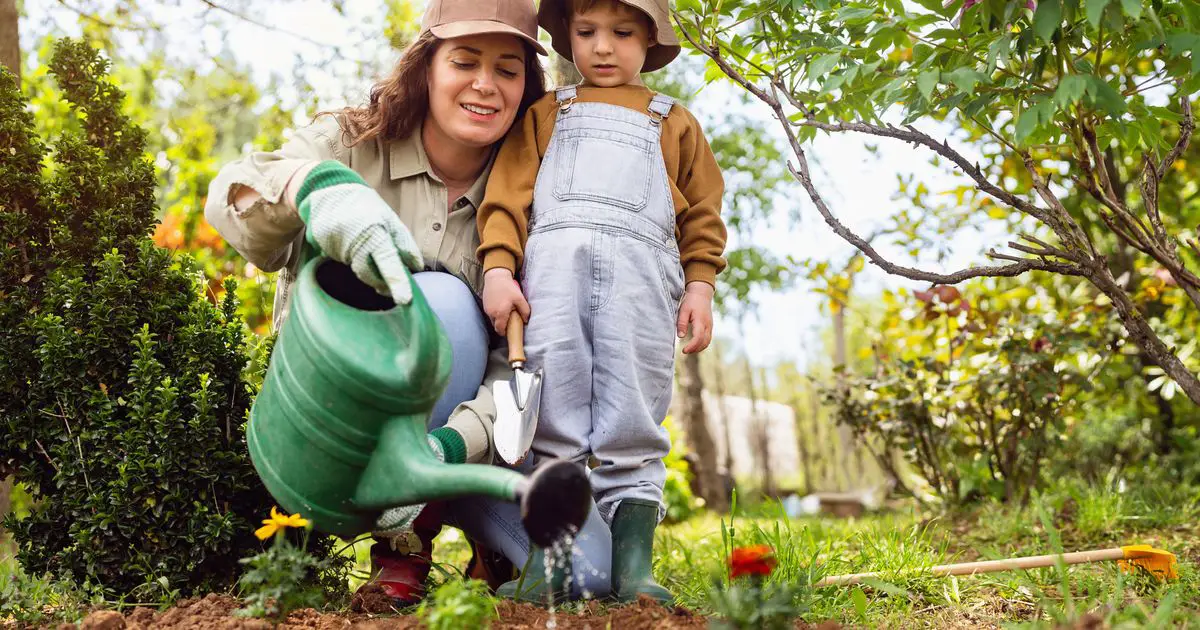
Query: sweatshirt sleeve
[(265, 232), (702, 233), (503, 218)]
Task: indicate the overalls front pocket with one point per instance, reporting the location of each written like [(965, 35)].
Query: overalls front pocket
[(616, 170)]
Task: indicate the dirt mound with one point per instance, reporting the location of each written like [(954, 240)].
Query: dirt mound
[(371, 613), (646, 614)]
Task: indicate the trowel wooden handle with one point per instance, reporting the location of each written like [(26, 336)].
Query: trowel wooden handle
[(516, 338), (991, 566)]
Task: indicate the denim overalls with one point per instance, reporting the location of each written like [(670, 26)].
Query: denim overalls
[(603, 279)]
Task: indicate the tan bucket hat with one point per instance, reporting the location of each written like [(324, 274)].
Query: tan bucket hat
[(552, 16), (448, 19)]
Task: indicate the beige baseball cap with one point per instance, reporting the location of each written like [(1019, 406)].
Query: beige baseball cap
[(448, 19), (552, 15)]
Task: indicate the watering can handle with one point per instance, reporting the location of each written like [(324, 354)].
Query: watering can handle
[(516, 338)]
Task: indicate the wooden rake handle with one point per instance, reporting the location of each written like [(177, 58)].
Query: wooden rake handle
[(992, 566), (516, 338)]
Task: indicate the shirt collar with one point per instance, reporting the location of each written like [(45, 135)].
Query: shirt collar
[(408, 158)]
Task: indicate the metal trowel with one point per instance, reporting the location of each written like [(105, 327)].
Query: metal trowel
[(517, 400)]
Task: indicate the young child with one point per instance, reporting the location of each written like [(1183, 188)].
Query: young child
[(607, 197)]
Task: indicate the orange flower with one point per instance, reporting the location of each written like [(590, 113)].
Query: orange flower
[(752, 560)]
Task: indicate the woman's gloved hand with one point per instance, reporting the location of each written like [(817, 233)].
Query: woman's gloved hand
[(353, 225)]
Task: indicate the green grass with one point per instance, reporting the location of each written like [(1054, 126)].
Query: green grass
[(900, 544), (691, 555)]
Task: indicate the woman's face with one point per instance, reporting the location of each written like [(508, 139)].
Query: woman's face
[(475, 87)]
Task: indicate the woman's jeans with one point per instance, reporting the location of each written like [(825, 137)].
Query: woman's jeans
[(496, 523)]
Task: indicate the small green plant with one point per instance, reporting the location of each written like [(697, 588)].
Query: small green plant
[(459, 604), (748, 600), (286, 576), (43, 601)]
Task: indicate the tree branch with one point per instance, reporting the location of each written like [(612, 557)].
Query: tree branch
[(264, 25), (911, 134), (1186, 126), (803, 175)]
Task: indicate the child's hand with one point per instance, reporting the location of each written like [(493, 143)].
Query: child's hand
[(696, 311), (502, 294)]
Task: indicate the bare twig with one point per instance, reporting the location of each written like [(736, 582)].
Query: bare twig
[(127, 25), (1030, 264), (911, 134), (49, 460), (1038, 251), (270, 27), (87, 16), (1186, 126), (1150, 181)]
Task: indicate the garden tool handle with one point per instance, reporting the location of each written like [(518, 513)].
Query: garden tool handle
[(516, 338), (990, 566)]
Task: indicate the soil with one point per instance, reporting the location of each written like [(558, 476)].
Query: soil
[(216, 612)]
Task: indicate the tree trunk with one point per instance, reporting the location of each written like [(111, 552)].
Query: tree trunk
[(845, 436), (819, 454), (699, 438), (10, 44), (803, 422), (719, 381), (761, 435), (10, 57)]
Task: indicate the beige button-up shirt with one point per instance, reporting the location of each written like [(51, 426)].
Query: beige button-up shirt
[(269, 234)]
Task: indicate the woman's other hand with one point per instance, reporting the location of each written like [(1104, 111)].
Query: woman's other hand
[(502, 295)]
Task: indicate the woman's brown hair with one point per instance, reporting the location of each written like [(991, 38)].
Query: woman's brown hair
[(399, 103)]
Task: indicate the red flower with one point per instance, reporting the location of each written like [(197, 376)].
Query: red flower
[(752, 560)]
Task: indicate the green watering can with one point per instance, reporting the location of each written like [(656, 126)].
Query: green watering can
[(338, 432)]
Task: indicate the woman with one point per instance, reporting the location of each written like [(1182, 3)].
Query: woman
[(396, 184)]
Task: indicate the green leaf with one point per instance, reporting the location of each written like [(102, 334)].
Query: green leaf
[(1047, 18), (1032, 118), (1133, 8), (998, 51), (1095, 11), (859, 599), (850, 14), (965, 79), (976, 106), (822, 65), (926, 82), (834, 82), (1105, 96), (1070, 90), (713, 72)]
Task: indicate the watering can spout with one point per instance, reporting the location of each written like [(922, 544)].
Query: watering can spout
[(338, 431), (554, 500)]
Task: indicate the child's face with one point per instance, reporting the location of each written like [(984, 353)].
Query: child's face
[(609, 43)]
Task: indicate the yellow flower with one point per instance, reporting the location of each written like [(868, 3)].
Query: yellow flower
[(277, 522)]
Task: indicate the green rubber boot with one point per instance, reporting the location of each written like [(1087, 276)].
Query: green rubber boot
[(531, 585), (633, 551)]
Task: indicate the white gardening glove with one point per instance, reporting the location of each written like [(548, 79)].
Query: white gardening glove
[(353, 225), (395, 524)]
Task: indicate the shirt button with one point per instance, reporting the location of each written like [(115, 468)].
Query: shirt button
[(462, 203), (437, 227)]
